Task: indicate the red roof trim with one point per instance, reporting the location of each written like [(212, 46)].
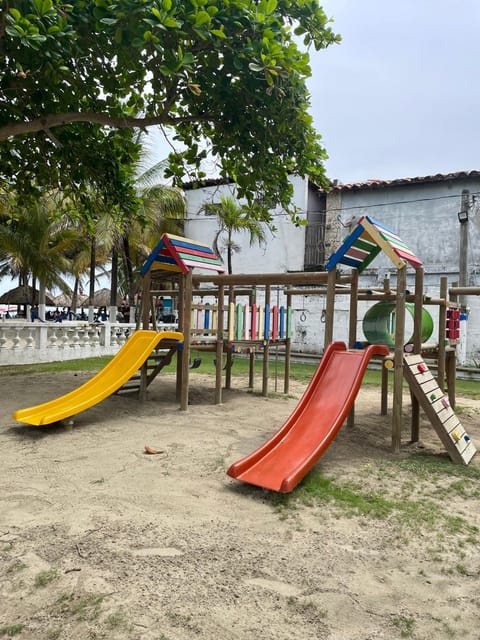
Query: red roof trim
[(403, 182)]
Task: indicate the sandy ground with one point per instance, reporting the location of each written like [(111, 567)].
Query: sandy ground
[(100, 540)]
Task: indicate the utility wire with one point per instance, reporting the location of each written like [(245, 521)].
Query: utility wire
[(363, 206)]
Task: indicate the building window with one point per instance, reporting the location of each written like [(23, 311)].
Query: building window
[(314, 259)]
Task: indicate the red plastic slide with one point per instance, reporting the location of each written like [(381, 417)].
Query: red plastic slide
[(289, 455)]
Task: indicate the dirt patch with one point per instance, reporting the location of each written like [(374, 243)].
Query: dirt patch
[(100, 540)]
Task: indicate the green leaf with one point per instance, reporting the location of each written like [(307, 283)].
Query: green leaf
[(271, 6), (171, 23), (46, 6), (14, 31), (188, 58), (218, 33), (166, 5), (15, 13), (202, 17), (166, 71)]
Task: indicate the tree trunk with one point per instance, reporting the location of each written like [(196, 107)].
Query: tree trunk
[(114, 285), (75, 296), (229, 253), (91, 291), (41, 300), (129, 271)]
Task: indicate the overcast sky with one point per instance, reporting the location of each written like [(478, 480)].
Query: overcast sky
[(400, 96)]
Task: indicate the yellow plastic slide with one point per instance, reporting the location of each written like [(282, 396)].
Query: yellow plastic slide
[(120, 369)]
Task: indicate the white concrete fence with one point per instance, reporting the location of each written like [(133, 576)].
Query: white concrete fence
[(31, 342)]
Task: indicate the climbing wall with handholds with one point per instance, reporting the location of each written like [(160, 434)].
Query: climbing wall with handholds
[(433, 401)]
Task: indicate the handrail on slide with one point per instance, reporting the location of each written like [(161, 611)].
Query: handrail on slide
[(283, 460), (123, 365)]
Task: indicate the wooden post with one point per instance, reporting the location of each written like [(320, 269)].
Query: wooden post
[(266, 345), (187, 322), (352, 330), (398, 359), (231, 333), (330, 307), (144, 318), (288, 344), (452, 353), (384, 395), (417, 348), (181, 316), (352, 326), (251, 369), (153, 307), (219, 346), (452, 376), (145, 302), (385, 372), (442, 333)]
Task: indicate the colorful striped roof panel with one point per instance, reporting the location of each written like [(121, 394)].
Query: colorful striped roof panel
[(177, 254), (366, 241)]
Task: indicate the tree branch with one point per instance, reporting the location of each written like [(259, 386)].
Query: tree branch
[(60, 119)]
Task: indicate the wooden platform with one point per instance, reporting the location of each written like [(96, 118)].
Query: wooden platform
[(433, 401)]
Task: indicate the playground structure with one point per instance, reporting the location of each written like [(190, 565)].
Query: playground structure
[(226, 325), (286, 457), (368, 238), (235, 322)]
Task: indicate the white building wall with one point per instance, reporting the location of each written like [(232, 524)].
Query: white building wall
[(423, 214), (284, 247)]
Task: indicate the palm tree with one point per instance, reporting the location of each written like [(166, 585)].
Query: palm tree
[(233, 218), (161, 209), (34, 241)]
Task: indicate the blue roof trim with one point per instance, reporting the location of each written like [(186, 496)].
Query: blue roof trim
[(152, 258), (336, 257), (380, 225), (191, 245)]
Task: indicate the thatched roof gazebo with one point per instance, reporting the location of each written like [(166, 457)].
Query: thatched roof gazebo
[(101, 298), (62, 300), (24, 295)]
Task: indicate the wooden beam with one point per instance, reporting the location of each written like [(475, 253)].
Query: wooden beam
[(398, 360), (219, 347), (187, 322), (145, 302), (330, 308), (266, 348), (464, 291), (442, 334), (288, 350), (417, 348), (305, 277)]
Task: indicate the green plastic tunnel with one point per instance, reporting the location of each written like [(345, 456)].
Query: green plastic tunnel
[(379, 324)]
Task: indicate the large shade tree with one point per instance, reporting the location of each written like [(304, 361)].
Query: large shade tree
[(230, 74)]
